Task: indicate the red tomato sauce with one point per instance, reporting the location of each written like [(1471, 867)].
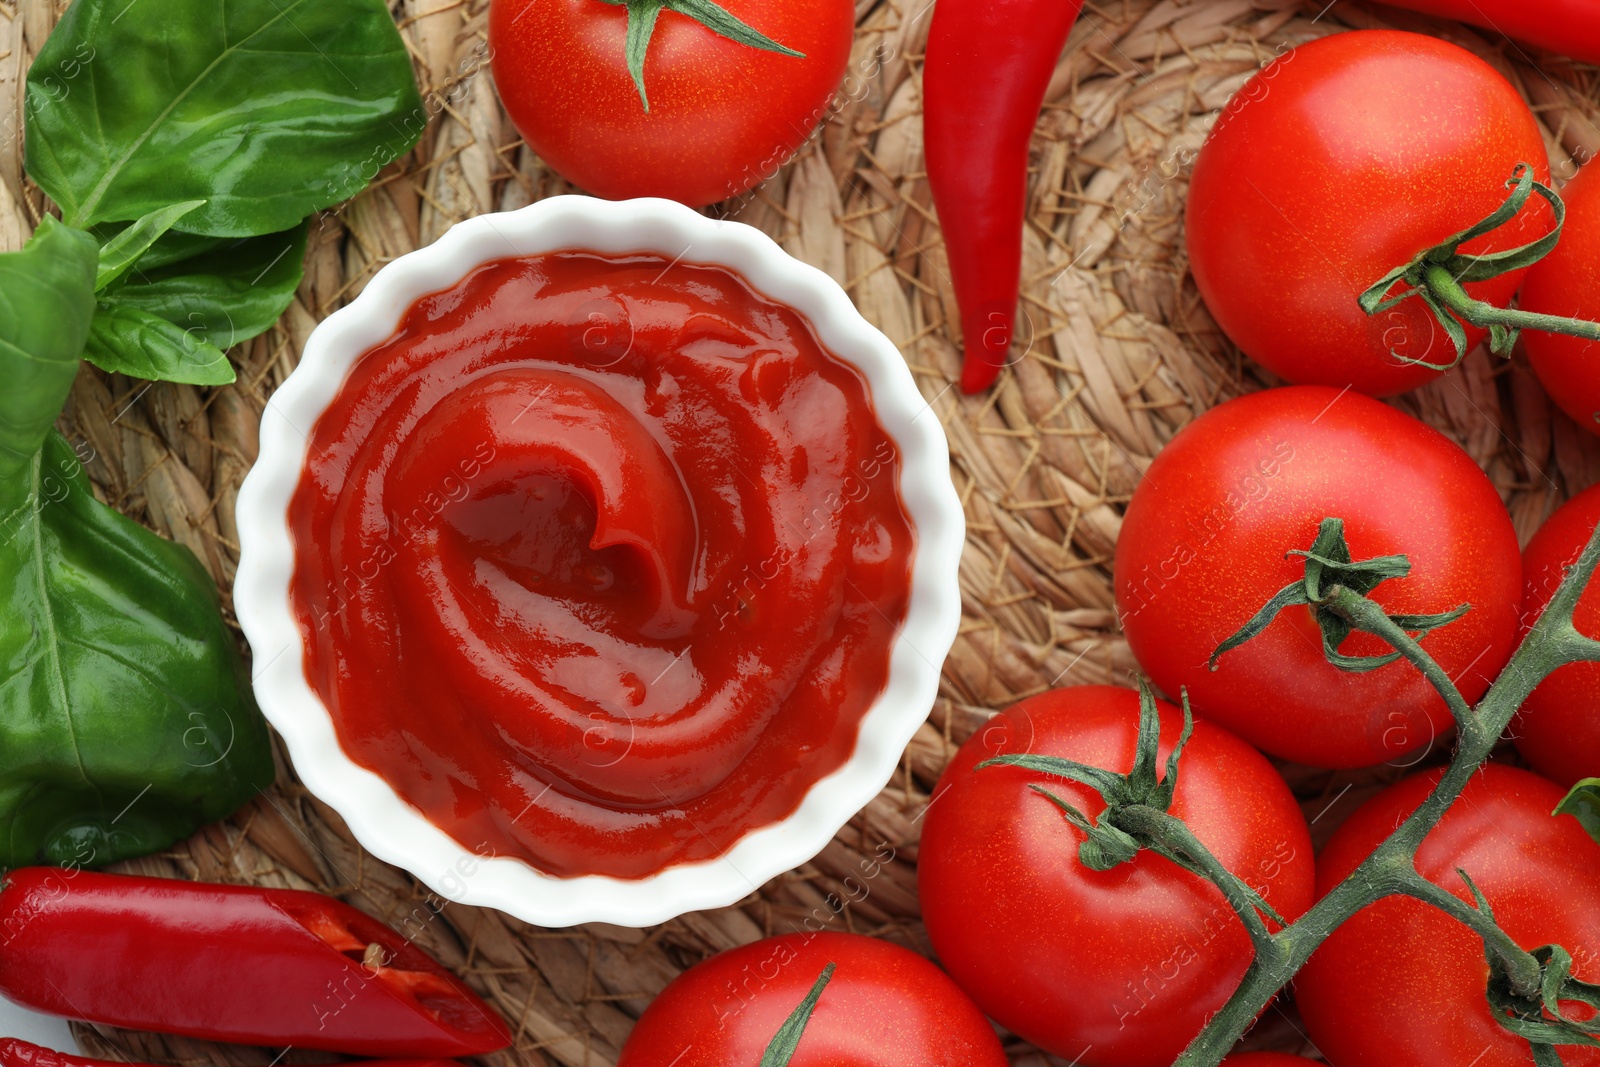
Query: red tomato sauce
[(599, 561)]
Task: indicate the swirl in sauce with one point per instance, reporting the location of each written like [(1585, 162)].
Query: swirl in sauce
[(599, 561)]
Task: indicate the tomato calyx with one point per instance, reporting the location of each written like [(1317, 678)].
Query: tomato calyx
[(1436, 276), (642, 15), (1540, 1019), (1536, 1015), (781, 1049), (1136, 815), (1107, 845), (1333, 582)]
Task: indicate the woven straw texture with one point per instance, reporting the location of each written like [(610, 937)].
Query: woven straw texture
[(1122, 354)]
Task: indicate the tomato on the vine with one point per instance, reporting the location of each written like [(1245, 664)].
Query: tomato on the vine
[(1567, 283), (1341, 160), (1558, 728), (883, 1006), (1116, 968), (722, 115), (1402, 983), (1202, 549), (1265, 1059)]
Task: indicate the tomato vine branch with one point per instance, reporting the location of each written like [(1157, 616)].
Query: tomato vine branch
[(1526, 988)]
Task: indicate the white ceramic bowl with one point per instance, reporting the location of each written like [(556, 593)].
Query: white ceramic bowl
[(398, 833)]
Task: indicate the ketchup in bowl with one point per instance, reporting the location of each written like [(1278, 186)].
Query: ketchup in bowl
[(599, 560)]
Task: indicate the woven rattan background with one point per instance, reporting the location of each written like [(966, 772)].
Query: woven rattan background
[(1122, 355)]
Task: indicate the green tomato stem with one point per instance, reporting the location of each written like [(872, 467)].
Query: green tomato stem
[(1449, 292), (1176, 836), (1368, 617), (1519, 964), (1436, 274)]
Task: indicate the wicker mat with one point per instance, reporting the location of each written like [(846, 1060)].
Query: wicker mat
[(1122, 355)]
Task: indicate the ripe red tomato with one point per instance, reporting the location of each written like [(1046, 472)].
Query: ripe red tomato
[(1202, 550), (1567, 283), (1341, 160), (1565, 27), (723, 115), (1265, 1059), (1114, 968), (883, 1007), (1401, 983), (1558, 728)]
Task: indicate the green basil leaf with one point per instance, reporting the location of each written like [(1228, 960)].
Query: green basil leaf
[(119, 253), (126, 719), (229, 292), (46, 301), (1583, 804), (128, 340), (174, 246), (268, 110)]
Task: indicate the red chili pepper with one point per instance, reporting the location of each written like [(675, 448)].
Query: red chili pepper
[(988, 65), (15, 1053), (230, 963), (1565, 27)]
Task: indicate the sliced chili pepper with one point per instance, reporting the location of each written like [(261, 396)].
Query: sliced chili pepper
[(988, 65), (15, 1053), (230, 963)]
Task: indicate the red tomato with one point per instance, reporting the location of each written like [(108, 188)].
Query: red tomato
[(1265, 1059), (884, 1007), (1565, 27), (1202, 550), (723, 115), (1117, 968), (1567, 283), (1558, 728), (1403, 984), (1338, 162)]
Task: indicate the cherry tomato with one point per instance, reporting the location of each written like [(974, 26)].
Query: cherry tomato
[(1115, 968), (1202, 550), (1341, 160), (1558, 728), (1401, 983), (883, 1007), (723, 115), (1567, 282)]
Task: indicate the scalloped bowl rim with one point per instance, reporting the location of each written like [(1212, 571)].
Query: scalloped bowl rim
[(393, 830)]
